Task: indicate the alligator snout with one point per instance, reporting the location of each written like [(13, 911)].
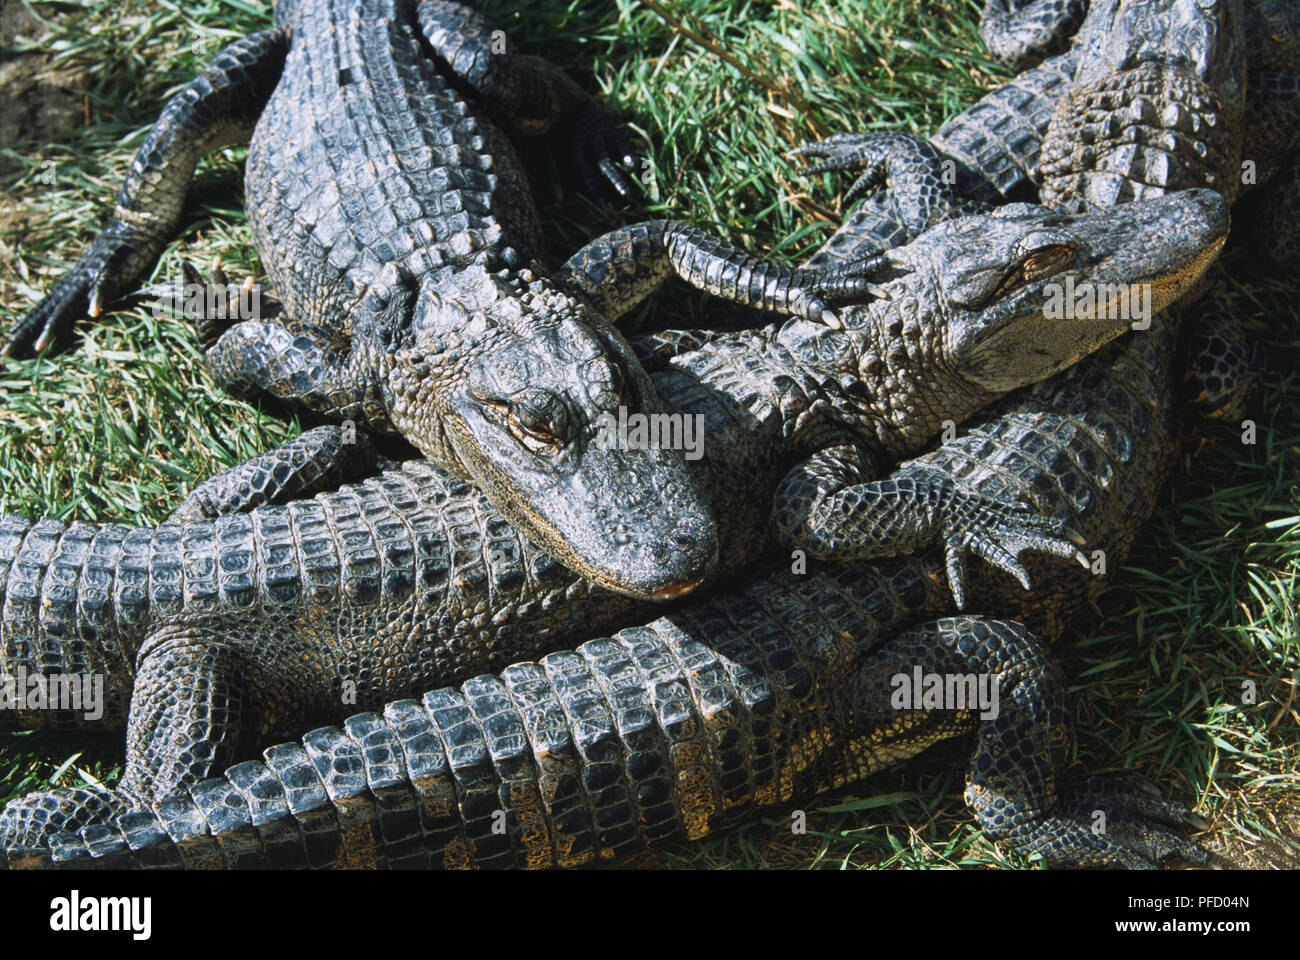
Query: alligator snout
[(1193, 224), (1205, 213)]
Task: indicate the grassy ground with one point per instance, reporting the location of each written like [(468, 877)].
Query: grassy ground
[(120, 427)]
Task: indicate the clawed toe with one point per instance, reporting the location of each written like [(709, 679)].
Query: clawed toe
[(1128, 823), (615, 164), (1000, 535)]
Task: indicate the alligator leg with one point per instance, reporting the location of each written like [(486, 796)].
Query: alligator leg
[(829, 507), (1022, 34), (218, 108), (528, 93), (1223, 369), (214, 305), (1280, 218), (312, 462), (1014, 783), (615, 272), (185, 722), (920, 188), (307, 367), (914, 186)]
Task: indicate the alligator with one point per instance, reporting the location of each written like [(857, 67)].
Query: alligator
[(279, 615), (394, 221), (1247, 52), (1154, 96), (666, 731), (1085, 444)]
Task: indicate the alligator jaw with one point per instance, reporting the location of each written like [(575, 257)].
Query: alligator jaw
[(1158, 248), (675, 590)]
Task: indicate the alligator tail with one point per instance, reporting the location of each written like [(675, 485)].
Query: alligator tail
[(74, 601)]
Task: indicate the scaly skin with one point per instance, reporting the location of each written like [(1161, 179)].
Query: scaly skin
[(1170, 95), (394, 221), (301, 616), (668, 731)]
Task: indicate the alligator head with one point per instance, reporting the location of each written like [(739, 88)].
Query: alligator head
[(1155, 105), (515, 387), (981, 305)]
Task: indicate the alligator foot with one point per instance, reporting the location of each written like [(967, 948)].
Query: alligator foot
[(80, 293), (1000, 534), (530, 95), (920, 180), (602, 156), (219, 107), (1223, 371), (1280, 219), (213, 305), (1021, 34), (1114, 820), (1014, 783), (825, 507)]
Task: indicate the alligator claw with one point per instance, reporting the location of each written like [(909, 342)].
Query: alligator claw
[(840, 284), (1117, 821), (75, 296), (598, 141), (210, 316), (1000, 534)]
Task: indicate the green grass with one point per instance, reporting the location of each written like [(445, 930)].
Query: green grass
[(123, 425)]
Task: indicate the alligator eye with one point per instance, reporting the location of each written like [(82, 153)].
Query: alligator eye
[(606, 384), (1034, 265), (535, 436), (539, 422), (1045, 261)]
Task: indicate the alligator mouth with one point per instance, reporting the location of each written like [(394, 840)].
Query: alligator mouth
[(675, 590), (1187, 277)]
